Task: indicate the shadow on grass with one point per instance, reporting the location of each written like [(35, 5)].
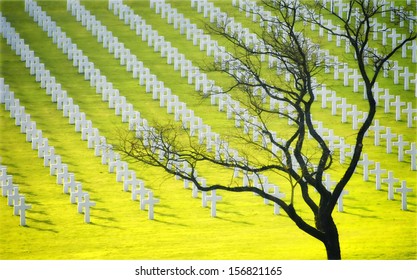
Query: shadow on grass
[(35, 202), (101, 208), (48, 222), (110, 219), (168, 223), (17, 177), (41, 212), (170, 215), (361, 215), (233, 221), (103, 225)]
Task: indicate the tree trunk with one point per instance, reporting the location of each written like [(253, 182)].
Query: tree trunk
[(332, 245), (331, 238)]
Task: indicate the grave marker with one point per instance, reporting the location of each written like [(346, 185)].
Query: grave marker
[(77, 196), (328, 183), (150, 201), (344, 106), (355, 77), (378, 172), (7, 185), (278, 195), (70, 184), (409, 111), (86, 204), (376, 128), (389, 137), (334, 99), (386, 97), (400, 143), (213, 198), (390, 180), (345, 70), (132, 181), (397, 104), (403, 190), (20, 209), (13, 196), (413, 155), (342, 146), (141, 191), (365, 162), (340, 200), (406, 75), (396, 69)]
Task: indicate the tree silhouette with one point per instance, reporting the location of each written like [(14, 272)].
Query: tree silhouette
[(280, 136)]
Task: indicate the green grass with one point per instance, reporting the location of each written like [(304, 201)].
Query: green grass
[(370, 228)]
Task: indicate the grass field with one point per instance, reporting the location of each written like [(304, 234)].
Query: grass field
[(371, 227)]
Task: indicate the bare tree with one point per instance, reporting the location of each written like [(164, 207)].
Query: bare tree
[(292, 152)]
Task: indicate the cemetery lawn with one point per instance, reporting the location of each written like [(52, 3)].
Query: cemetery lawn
[(371, 226)]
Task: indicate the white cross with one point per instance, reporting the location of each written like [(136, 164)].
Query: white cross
[(7, 186), (86, 204), (336, 63), (365, 162), (342, 146), (20, 209), (406, 75), (386, 97), (403, 190), (141, 191), (355, 114), (13, 197), (213, 198), (413, 155), (376, 128), (70, 184), (390, 180), (76, 196), (388, 136), (62, 175), (266, 188), (133, 181), (409, 111), (328, 183), (355, 77), (375, 28), (344, 106), (323, 92), (202, 182), (397, 104), (396, 68), (278, 195), (330, 138), (334, 99), (413, 49), (340, 200), (150, 201), (394, 37), (400, 144), (378, 172), (375, 91), (345, 70), (3, 176)]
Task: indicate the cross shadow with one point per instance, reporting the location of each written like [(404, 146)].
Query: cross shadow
[(48, 222), (233, 221), (168, 223)]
